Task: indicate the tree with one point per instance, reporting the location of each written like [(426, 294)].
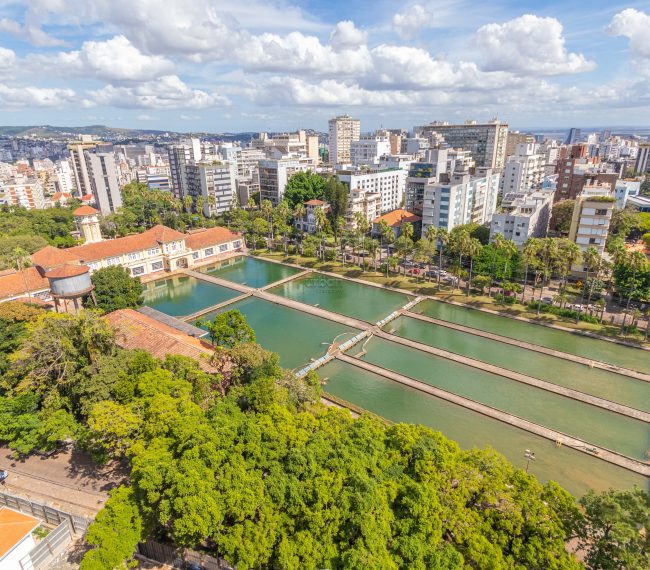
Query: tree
[(9, 244), (623, 222), (299, 213), (228, 329), (304, 186), (472, 249), (442, 238), (615, 530), (529, 255), (561, 217), (20, 260), (116, 289), (336, 195)]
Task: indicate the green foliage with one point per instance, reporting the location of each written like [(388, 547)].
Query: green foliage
[(560, 312), (228, 329), (304, 186), (477, 231), (116, 289), (336, 194), (623, 222), (115, 533), (615, 533), (28, 243), (496, 262), (52, 224), (562, 214)]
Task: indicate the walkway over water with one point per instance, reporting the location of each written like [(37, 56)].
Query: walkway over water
[(531, 427)]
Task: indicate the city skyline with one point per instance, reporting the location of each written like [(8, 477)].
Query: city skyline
[(220, 67)]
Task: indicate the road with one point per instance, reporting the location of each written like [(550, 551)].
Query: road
[(68, 480)]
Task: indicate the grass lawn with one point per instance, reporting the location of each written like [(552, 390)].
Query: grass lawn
[(423, 287)]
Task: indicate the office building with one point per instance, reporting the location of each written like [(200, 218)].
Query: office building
[(485, 141), (343, 130), (573, 136)]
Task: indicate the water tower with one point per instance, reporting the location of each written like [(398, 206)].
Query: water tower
[(88, 223), (70, 282)]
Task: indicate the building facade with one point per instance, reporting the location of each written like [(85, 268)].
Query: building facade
[(342, 131), (523, 217), (524, 170), (274, 175), (389, 183), (215, 182)]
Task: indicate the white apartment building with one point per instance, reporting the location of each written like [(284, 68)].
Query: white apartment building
[(524, 170), (592, 216), (63, 173), (524, 216), (104, 180), (342, 131), (215, 182), (24, 192), (274, 175), (365, 202), (368, 150), (389, 183), (464, 199)]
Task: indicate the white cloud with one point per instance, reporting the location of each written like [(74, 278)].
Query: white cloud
[(34, 34), (529, 45), (115, 59), (7, 59), (28, 96), (634, 25), (347, 36), (145, 117), (167, 92), (409, 23)]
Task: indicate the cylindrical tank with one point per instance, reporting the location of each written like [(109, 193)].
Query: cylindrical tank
[(69, 280)]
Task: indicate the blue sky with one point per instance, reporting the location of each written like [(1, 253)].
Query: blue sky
[(226, 65)]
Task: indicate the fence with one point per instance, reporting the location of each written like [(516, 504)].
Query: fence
[(55, 543), (180, 558)]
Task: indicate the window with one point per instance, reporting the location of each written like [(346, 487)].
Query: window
[(133, 256), (157, 266), (223, 247), (113, 261), (209, 251), (153, 251), (601, 212), (236, 244), (195, 255), (137, 270)]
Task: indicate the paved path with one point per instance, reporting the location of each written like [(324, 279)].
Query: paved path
[(537, 348), (194, 316), (555, 436), (286, 279), (518, 377), (217, 281)]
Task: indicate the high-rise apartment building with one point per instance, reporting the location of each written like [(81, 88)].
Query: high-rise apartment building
[(642, 164), (573, 136), (274, 175), (523, 216), (463, 198), (104, 180), (524, 169), (485, 141), (389, 183), (368, 150), (342, 131), (516, 138), (180, 155), (215, 182), (79, 166), (27, 193)]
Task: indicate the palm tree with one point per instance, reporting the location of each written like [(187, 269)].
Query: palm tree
[(529, 253), (187, 203), (321, 219), (509, 248), (372, 245), (498, 244), (20, 260), (299, 213), (591, 259), (442, 236), (570, 255), (474, 247), (637, 262), (267, 211), (387, 234), (460, 244), (250, 204)]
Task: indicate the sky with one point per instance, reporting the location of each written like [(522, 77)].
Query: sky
[(280, 65)]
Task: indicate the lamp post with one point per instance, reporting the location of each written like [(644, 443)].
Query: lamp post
[(530, 456)]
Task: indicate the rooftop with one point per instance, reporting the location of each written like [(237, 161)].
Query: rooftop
[(397, 217), (15, 282), (67, 270), (85, 210), (14, 526)]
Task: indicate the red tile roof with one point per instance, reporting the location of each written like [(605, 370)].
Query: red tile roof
[(210, 236), (87, 198), (14, 526), (113, 247), (315, 203), (85, 210), (51, 257), (13, 283), (61, 196), (397, 218), (135, 330), (67, 270)]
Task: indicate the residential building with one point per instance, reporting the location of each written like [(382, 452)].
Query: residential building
[(395, 220), (24, 192), (274, 175), (642, 164), (79, 164), (342, 131), (422, 173), (516, 138), (63, 177), (576, 169), (388, 183), (523, 216), (365, 202), (368, 150), (592, 215), (486, 141), (639, 203), (158, 182), (215, 182), (104, 183), (308, 222), (461, 198), (180, 155), (524, 170)]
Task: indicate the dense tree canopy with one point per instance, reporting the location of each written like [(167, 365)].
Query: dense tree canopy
[(228, 329), (116, 289), (304, 186), (562, 214), (52, 225)]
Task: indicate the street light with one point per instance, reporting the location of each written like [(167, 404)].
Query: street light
[(530, 456)]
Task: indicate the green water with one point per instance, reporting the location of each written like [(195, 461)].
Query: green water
[(363, 302), (295, 336), (575, 471), (183, 295), (250, 271), (602, 350), (594, 425), (601, 383)]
